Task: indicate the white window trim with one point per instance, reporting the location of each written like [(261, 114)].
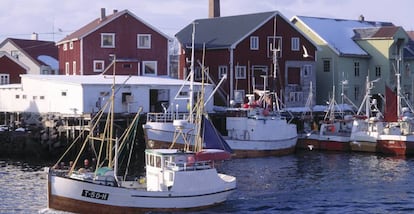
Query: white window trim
[(4, 79), (96, 62), (307, 68), (222, 70), (71, 45), (254, 43), (74, 67), (295, 43), (102, 40), (155, 68), (65, 46), (237, 73), (67, 68), (139, 46)]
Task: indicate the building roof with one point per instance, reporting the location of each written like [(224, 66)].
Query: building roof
[(339, 33), (98, 23), (386, 32), (222, 32), (41, 52), (107, 79)]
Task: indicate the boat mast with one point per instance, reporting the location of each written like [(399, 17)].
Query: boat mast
[(111, 128), (275, 67), (191, 99)]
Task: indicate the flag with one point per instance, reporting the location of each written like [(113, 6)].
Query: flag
[(390, 113)]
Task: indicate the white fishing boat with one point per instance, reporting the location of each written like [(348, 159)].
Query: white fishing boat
[(173, 180), (257, 131), (365, 128)]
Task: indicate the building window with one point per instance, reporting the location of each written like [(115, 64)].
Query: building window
[(356, 69), (34, 97), (254, 43), (326, 66), (107, 40), (74, 67), (71, 45), (126, 65), (296, 96), (42, 97), (197, 73), (357, 92), (239, 96), (65, 46), (274, 45), (17, 96), (144, 41), (307, 70), (98, 65), (63, 93), (295, 43), (4, 79), (67, 68), (15, 54), (24, 96), (240, 72), (378, 71), (222, 70), (149, 67)]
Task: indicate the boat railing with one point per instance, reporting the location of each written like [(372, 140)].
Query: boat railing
[(166, 117), (186, 166)]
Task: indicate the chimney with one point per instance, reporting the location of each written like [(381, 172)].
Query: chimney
[(35, 36), (361, 18), (103, 16), (213, 8), (115, 11)]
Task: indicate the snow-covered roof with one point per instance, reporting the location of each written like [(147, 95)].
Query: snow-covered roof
[(339, 33), (108, 79), (48, 60)]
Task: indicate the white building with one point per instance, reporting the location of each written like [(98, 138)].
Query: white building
[(86, 94)]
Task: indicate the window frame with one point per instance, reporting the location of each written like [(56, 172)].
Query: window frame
[(95, 67), (144, 63), (142, 45), (295, 43), (103, 40), (254, 43), (222, 70), (240, 72)]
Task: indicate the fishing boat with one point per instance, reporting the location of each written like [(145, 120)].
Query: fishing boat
[(394, 135), (174, 179), (366, 127), (332, 133), (255, 130), (335, 129)]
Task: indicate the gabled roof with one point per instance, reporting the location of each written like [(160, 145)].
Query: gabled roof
[(387, 32), (223, 32), (13, 59), (98, 23), (37, 50), (339, 34)]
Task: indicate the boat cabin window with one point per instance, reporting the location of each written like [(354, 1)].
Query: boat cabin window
[(153, 160)]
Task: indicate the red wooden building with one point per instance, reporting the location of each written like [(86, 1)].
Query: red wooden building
[(139, 48), (242, 47)]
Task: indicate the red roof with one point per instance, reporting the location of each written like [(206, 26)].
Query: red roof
[(35, 48)]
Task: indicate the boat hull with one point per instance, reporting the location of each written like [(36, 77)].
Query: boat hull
[(85, 197), (392, 147), (364, 146), (159, 135)]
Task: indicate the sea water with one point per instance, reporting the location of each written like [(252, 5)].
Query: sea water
[(305, 182)]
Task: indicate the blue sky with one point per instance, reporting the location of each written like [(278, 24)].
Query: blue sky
[(53, 19)]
